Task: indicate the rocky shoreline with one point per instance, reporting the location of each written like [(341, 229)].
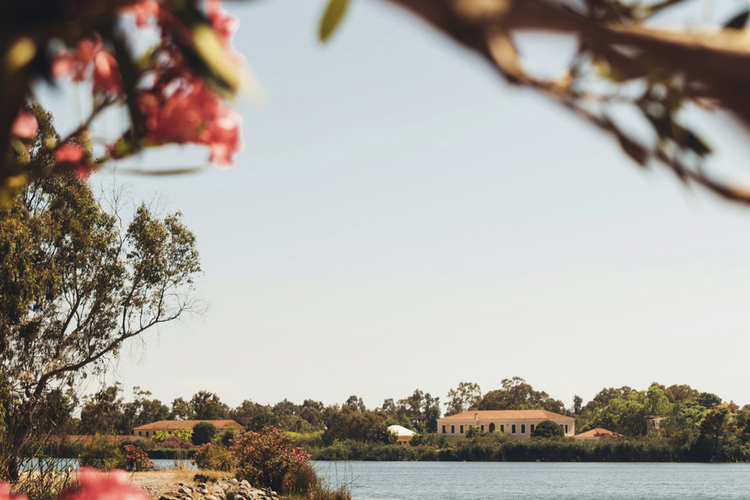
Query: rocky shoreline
[(182, 485)]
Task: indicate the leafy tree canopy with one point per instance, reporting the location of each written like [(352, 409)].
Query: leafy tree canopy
[(548, 429)]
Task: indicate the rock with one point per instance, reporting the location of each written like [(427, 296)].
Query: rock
[(186, 490), (167, 497), (234, 481)]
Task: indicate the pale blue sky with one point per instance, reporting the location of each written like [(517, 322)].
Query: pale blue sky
[(400, 218)]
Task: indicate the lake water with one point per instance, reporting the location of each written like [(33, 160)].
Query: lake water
[(539, 481)]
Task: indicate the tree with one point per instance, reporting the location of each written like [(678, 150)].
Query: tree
[(181, 410), (102, 413), (75, 285), (203, 432), (142, 410), (680, 393), (712, 430), (516, 394), (577, 404), (548, 429), (348, 423), (260, 421), (207, 406), (467, 395), (708, 400), (246, 409), (355, 403)]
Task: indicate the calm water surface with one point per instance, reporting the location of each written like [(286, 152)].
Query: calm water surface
[(539, 481)]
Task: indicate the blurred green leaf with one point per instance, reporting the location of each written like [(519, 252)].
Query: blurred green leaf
[(215, 56), (332, 18)]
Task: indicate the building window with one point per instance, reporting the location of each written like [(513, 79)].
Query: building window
[(566, 428), (453, 429), (146, 433), (532, 428), (461, 429), (443, 429), (492, 427), (502, 428), (139, 433), (523, 428), (513, 429), (482, 428)]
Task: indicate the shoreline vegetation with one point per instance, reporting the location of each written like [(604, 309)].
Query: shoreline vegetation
[(483, 448), (686, 426)]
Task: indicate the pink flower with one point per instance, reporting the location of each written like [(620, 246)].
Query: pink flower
[(187, 111), (222, 21), (89, 61), (25, 126), (69, 152), (93, 485), (73, 154), (7, 494), (107, 73)]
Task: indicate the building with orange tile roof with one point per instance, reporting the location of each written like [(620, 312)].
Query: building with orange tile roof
[(149, 430), (596, 435), (518, 424)]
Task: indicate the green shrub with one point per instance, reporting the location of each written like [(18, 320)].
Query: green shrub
[(214, 457), (226, 438), (184, 435), (268, 459), (137, 459), (159, 436), (548, 429), (203, 432), (102, 453)]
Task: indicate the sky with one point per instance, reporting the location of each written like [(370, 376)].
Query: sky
[(402, 219)]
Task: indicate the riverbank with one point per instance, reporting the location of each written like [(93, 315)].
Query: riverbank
[(489, 449), (182, 485)]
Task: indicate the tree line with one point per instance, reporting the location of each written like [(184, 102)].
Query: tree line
[(684, 411)]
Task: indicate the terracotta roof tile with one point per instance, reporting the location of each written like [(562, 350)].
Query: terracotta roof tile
[(598, 432), (171, 425)]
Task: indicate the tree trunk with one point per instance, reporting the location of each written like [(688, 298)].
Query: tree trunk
[(16, 437)]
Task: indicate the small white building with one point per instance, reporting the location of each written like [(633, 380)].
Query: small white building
[(515, 423), (403, 435)]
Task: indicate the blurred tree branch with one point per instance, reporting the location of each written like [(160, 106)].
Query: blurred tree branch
[(709, 68)]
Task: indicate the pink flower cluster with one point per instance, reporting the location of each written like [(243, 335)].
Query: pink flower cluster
[(137, 459), (183, 109), (177, 105), (92, 485), (90, 61), (25, 126), (267, 458), (7, 494)]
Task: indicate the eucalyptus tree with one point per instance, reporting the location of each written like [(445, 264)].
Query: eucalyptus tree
[(76, 283)]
